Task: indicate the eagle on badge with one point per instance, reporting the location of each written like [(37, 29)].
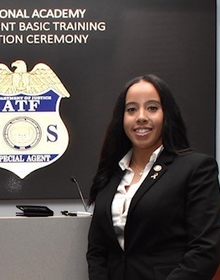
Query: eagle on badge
[(40, 79)]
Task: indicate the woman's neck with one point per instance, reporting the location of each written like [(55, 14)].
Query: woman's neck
[(139, 160), (141, 157)]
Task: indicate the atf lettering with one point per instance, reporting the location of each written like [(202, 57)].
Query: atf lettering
[(20, 105)]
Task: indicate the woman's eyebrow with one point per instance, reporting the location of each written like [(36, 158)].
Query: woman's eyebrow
[(148, 101)]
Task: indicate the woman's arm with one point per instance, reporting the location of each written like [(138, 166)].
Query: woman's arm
[(97, 254), (203, 224)]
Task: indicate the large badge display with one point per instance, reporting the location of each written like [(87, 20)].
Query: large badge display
[(32, 133)]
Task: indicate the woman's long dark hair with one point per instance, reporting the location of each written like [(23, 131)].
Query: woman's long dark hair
[(117, 144)]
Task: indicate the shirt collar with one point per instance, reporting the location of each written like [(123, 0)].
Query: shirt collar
[(124, 162)]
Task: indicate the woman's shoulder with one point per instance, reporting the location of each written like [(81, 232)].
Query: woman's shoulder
[(196, 157)]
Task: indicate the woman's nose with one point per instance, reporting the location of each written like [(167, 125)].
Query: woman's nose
[(142, 116)]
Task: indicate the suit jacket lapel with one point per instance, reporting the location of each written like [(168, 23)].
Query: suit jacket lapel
[(112, 188), (156, 172)]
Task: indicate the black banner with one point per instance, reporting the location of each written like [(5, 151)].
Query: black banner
[(95, 47)]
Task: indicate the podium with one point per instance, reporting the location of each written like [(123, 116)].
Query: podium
[(48, 248)]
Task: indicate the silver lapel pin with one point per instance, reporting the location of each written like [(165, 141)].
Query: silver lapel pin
[(157, 168)]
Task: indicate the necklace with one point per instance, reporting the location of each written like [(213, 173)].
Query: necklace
[(141, 170)]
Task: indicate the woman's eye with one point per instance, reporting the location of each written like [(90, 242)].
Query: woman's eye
[(152, 108), (131, 109)]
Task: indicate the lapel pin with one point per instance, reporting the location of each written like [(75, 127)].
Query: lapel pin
[(157, 168), (154, 176)]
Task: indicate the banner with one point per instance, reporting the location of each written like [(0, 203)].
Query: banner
[(62, 66)]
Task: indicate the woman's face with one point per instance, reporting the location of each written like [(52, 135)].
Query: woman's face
[(143, 116)]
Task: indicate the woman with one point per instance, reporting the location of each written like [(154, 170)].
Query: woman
[(157, 206)]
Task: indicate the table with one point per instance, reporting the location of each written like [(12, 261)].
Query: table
[(43, 248)]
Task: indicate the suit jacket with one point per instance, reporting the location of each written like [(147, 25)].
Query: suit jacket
[(173, 224)]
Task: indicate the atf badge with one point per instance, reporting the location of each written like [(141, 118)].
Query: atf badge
[(32, 133)]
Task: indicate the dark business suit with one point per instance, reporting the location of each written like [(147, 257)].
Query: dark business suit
[(173, 224)]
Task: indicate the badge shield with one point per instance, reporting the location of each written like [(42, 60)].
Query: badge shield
[(32, 133)]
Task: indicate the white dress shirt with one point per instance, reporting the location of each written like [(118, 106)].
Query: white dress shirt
[(123, 197)]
